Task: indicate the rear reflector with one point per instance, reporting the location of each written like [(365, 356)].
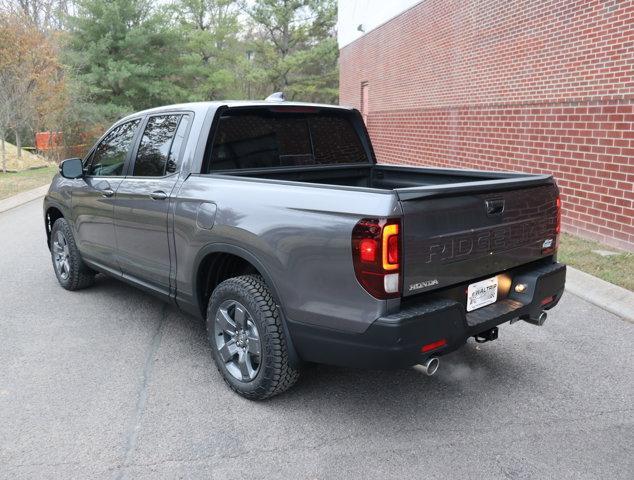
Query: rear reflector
[(547, 300), (433, 345)]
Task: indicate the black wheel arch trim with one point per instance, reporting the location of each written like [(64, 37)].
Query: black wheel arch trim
[(48, 204), (211, 248)]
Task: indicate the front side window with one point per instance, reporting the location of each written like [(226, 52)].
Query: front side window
[(154, 149), (109, 157)]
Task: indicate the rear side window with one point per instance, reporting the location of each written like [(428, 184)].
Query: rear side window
[(264, 139), (109, 156), (177, 144), (156, 143)]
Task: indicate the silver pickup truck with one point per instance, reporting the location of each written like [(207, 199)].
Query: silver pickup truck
[(273, 222)]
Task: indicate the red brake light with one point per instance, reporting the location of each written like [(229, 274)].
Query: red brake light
[(290, 109), (376, 254), (367, 248)]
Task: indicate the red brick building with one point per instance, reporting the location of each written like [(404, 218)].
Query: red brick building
[(535, 86)]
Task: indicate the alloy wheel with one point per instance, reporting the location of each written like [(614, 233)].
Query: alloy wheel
[(238, 340), (61, 255)]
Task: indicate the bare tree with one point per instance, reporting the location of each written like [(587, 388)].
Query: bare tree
[(44, 14), (14, 109), (31, 79), (9, 98)]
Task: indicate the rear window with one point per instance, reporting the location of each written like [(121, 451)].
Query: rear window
[(264, 139)]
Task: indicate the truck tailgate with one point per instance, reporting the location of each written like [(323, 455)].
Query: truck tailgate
[(453, 238)]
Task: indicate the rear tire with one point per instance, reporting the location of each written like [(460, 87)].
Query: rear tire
[(70, 270), (247, 339)]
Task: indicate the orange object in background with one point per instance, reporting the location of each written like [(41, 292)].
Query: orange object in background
[(47, 140)]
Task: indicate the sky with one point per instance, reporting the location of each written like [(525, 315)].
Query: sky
[(368, 13)]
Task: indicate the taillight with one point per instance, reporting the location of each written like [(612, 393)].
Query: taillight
[(376, 256), (558, 222)]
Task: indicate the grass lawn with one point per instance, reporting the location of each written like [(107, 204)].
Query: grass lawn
[(617, 269), (12, 183)]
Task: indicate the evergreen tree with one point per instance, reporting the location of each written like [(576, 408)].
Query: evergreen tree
[(125, 54), (295, 46), (209, 29)]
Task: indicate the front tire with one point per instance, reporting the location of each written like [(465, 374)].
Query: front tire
[(70, 270), (247, 338)]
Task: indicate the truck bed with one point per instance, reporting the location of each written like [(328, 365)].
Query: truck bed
[(408, 182)]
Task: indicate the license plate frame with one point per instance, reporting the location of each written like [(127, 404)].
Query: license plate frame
[(482, 293)]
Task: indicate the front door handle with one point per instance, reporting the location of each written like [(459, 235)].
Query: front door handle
[(104, 188), (158, 195)]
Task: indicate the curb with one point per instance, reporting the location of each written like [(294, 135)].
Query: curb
[(22, 198), (610, 297)]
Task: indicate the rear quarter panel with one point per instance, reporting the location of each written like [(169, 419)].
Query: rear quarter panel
[(301, 235)]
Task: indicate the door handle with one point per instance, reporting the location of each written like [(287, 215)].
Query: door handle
[(104, 188), (158, 195)]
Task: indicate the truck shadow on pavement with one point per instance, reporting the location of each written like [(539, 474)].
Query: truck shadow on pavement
[(466, 378)]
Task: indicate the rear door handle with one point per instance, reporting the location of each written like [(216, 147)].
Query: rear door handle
[(107, 192), (158, 195)]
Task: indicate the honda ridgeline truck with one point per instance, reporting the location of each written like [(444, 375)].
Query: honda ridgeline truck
[(273, 222)]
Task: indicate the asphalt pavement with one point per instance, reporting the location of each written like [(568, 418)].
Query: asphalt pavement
[(112, 383)]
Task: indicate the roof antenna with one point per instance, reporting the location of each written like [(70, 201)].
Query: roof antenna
[(276, 97)]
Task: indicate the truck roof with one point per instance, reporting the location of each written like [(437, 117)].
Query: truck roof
[(203, 106)]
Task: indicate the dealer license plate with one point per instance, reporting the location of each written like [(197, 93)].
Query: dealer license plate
[(481, 294)]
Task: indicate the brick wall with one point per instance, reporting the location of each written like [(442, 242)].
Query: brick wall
[(534, 86)]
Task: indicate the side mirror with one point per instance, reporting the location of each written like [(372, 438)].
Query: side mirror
[(72, 168)]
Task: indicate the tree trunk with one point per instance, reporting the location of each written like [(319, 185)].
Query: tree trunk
[(18, 144), (4, 153)]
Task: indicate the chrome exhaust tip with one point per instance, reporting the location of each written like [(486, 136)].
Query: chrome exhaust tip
[(539, 321), (430, 366)]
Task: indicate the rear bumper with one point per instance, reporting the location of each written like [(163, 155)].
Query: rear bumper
[(395, 340)]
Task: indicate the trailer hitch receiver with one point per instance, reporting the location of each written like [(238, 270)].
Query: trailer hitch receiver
[(487, 335)]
